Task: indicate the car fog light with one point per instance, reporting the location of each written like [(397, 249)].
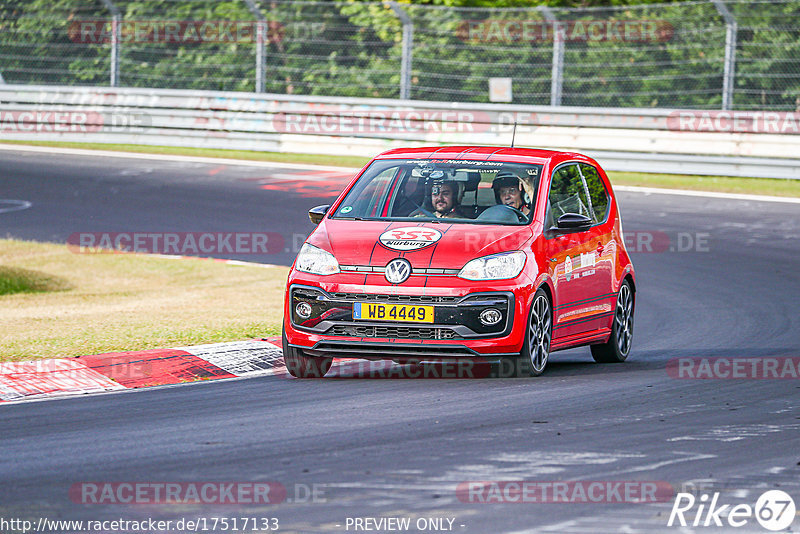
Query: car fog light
[(490, 316), (303, 310)]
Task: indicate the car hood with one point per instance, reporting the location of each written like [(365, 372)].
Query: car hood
[(441, 245)]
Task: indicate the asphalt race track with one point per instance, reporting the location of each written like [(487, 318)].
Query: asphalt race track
[(725, 283)]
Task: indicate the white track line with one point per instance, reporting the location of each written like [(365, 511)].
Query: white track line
[(707, 194), (173, 157), (305, 166), (16, 205)]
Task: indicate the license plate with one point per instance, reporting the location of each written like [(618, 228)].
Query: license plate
[(378, 311)]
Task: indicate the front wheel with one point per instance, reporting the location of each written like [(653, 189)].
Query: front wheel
[(618, 346), (301, 366), (536, 348)]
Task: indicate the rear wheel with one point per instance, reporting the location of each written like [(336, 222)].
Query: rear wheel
[(536, 348), (301, 366), (618, 346)]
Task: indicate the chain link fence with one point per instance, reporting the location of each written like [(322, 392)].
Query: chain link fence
[(714, 54)]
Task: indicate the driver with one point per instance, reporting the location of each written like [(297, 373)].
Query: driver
[(445, 199), (508, 191)]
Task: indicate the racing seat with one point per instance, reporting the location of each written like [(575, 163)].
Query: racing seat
[(471, 185)]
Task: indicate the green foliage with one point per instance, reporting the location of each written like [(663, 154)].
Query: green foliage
[(354, 48)]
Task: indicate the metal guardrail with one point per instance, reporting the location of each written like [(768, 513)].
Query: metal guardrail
[(624, 139)]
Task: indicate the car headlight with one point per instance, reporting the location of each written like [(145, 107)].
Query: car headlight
[(316, 261), (494, 267)]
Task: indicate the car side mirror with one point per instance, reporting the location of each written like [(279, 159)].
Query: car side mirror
[(317, 213), (573, 222)]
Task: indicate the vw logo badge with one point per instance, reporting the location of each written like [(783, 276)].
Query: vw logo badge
[(397, 271)]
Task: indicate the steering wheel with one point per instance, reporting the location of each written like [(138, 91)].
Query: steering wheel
[(522, 216)]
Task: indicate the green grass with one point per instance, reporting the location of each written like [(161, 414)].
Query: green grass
[(60, 303), (16, 280), (723, 184)]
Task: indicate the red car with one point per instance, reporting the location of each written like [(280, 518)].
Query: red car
[(487, 253)]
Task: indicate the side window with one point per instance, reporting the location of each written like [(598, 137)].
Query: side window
[(567, 194), (598, 196)]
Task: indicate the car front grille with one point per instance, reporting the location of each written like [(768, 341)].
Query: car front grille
[(424, 299), (393, 332)]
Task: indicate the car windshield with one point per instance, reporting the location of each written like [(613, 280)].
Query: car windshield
[(460, 191)]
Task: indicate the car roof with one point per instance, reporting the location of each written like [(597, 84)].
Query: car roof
[(490, 153)]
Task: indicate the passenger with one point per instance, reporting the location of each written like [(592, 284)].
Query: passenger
[(508, 191), (445, 200)]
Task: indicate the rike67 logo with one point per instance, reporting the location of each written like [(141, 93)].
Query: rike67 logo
[(774, 510)]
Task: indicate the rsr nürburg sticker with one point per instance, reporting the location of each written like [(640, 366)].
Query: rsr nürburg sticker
[(410, 238)]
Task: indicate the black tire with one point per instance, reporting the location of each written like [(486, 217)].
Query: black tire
[(538, 334), (301, 366), (618, 346)]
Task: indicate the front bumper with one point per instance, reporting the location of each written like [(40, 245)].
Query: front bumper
[(456, 331)]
